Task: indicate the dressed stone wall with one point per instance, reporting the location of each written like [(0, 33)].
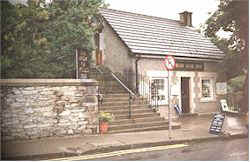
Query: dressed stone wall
[(35, 108)]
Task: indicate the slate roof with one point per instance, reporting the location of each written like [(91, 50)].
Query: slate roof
[(159, 36)]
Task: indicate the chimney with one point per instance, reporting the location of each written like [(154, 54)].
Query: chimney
[(186, 18)]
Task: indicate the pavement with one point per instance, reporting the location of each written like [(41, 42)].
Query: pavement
[(193, 128)]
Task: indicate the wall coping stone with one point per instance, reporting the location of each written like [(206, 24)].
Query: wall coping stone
[(48, 82)]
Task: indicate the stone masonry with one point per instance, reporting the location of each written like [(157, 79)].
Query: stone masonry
[(36, 108)]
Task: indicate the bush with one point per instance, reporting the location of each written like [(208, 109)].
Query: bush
[(106, 117)]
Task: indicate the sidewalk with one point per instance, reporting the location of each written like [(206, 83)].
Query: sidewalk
[(193, 128)]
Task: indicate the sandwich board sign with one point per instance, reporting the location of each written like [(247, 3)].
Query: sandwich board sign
[(216, 124)]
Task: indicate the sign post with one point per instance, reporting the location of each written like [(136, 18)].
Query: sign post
[(170, 64)]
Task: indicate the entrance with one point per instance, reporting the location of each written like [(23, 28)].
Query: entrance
[(185, 100)]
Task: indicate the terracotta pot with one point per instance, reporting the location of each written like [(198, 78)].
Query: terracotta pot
[(104, 127)]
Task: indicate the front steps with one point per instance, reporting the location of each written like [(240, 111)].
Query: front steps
[(116, 101), (142, 118)]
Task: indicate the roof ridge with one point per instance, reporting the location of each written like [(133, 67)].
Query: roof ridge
[(164, 18)]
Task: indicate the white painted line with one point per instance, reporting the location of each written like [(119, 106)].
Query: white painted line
[(121, 152)]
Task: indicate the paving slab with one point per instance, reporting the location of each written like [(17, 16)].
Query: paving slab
[(193, 128)]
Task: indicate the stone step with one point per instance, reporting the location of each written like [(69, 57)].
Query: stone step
[(101, 78), (126, 121), (161, 127), (109, 82), (126, 111), (122, 107), (111, 91), (126, 99), (121, 103), (124, 94), (136, 115), (113, 99), (137, 125)]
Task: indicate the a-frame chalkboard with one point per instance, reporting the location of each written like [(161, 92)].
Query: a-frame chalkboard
[(216, 124)]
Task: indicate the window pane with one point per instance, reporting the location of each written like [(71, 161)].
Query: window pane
[(206, 90), (159, 83)]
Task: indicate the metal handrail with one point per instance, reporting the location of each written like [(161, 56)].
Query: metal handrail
[(99, 70), (124, 86), (149, 93), (130, 92)]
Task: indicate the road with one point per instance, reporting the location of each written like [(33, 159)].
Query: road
[(236, 150)]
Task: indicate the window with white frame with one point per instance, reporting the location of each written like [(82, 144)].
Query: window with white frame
[(162, 89), (160, 80), (207, 89)]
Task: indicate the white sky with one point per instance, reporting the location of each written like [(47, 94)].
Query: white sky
[(168, 8)]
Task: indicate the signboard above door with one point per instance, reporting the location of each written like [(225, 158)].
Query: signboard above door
[(189, 66)]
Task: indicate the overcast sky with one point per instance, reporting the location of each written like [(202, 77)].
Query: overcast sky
[(168, 8)]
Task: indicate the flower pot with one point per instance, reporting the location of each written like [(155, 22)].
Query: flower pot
[(104, 127)]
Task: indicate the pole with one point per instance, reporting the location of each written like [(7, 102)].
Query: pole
[(77, 66), (169, 107)]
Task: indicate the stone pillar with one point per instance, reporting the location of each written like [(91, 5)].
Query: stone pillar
[(196, 90)]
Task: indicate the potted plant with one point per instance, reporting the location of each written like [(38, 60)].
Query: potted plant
[(104, 119)]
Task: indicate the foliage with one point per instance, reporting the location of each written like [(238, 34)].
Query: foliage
[(237, 83), (106, 117), (232, 16), (229, 67), (39, 39)]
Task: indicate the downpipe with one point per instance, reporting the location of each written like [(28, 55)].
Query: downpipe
[(130, 100)]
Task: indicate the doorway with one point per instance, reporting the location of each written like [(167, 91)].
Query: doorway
[(185, 99)]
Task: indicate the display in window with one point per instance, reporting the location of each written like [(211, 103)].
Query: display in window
[(206, 88)]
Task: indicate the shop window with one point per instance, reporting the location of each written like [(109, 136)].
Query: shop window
[(206, 89), (161, 90)]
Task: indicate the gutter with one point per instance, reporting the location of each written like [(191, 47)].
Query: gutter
[(179, 58)]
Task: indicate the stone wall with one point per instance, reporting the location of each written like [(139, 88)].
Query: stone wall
[(35, 108)]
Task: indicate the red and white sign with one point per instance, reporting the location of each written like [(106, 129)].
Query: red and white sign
[(170, 62)]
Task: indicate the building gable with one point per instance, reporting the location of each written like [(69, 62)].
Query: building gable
[(149, 35)]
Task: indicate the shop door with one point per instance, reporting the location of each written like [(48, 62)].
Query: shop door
[(185, 100)]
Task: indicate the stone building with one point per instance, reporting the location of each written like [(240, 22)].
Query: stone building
[(137, 44)]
